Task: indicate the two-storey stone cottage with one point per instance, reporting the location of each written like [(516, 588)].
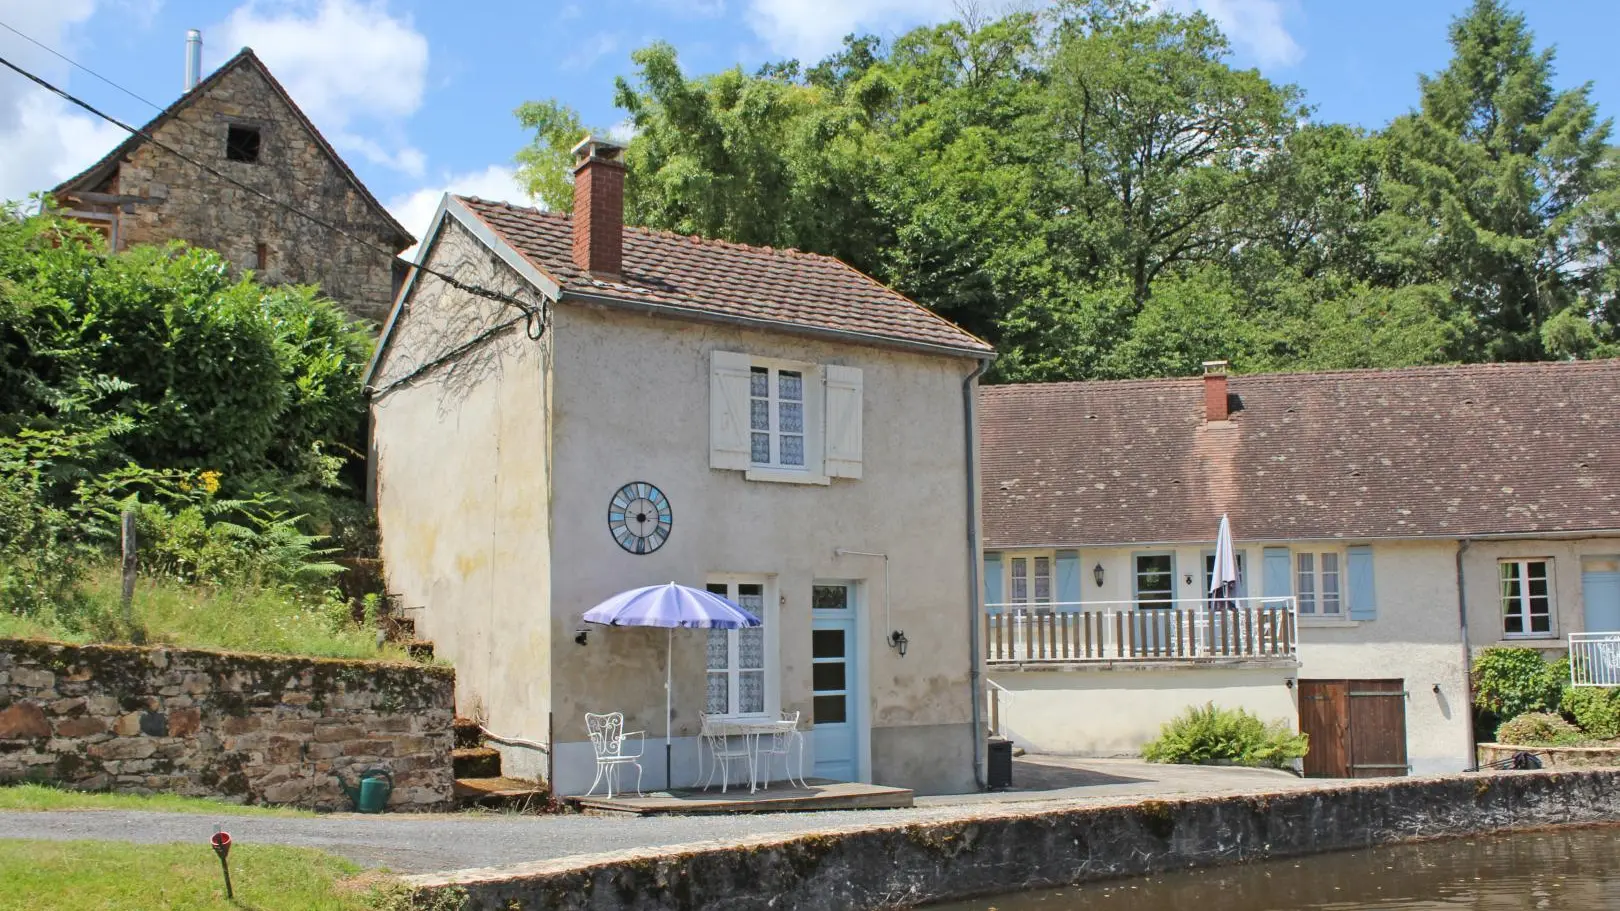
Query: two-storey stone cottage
[(802, 435), (241, 122)]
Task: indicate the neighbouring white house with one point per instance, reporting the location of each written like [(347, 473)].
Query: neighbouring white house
[(800, 438), (1389, 524)]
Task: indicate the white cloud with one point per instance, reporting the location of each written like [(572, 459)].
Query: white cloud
[(415, 210), (42, 139), (811, 29), (1255, 26), (346, 62)]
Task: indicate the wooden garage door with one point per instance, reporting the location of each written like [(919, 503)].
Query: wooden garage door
[(1357, 727)]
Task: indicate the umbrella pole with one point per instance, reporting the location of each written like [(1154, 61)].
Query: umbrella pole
[(669, 706)]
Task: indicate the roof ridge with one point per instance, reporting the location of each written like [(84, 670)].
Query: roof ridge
[(245, 55), (1285, 375)]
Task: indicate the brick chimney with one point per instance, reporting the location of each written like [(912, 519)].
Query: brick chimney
[(599, 207), (1215, 391)]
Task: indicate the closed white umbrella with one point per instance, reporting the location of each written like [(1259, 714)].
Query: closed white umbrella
[(1223, 582)]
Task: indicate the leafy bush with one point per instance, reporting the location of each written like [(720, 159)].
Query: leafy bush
[(1210, 734), (1509, 682), (1539, 729), (1595, 710)]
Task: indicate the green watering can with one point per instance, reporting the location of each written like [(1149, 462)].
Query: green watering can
[(370, 793)]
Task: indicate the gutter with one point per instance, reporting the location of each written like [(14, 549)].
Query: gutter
[(975, 590), (709, 316)]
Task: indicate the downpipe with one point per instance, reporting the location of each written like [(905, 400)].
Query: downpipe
[(975, 678)]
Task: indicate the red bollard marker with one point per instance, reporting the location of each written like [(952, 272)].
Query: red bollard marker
[(222, 846)]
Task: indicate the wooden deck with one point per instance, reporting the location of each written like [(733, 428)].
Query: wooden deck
[(780, 797)]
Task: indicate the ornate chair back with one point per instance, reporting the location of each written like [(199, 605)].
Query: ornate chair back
[(607, 733)]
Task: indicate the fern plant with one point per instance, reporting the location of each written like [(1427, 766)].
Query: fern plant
[(1204, 734)]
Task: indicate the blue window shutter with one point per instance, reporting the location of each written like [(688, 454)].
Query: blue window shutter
[(1277, 579), (1068, 576), (1363, 604), (992, 580)]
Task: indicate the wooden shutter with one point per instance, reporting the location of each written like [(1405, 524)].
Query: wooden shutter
[(992, 580), (1277, 580), (1067, 576), (1363, 603), (843, 421), (728, 410)]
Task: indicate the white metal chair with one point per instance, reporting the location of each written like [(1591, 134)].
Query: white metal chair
[(722, 753), (608, 739), (782, 742)]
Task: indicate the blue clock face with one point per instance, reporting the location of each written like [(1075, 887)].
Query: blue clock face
[(639, 517)]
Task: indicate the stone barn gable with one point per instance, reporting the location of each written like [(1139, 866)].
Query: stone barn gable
[(241, 122)]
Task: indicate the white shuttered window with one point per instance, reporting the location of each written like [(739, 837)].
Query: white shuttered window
[(784, 421)]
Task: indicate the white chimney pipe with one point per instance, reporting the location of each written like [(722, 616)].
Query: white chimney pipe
[(193, 58)]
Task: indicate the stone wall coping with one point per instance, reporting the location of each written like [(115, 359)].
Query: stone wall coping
[(55, 650), (1576, 751), (1148, 664), (965, 851)]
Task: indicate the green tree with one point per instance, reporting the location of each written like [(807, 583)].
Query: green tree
[(545, 165), (1503, 189)]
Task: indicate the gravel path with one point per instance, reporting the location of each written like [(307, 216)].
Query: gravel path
[(411, 843)]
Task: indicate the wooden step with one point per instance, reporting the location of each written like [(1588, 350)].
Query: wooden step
[(401, 629), (505, 794), (468, 733), (420, 649), (476, 762)]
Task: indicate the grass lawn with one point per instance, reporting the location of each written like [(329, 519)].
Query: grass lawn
[(114, 876), (41, 797), (238, 617)]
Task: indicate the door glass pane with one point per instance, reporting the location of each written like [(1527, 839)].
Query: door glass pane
[(827, 675), (1043, 579), (1305, 586), (829, 597), (827, 643), (1020, 580), (828, 710)]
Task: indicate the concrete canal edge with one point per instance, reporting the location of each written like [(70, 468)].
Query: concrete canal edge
[(985, 850)]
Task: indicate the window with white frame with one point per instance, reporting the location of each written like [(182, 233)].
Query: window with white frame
[(1319, 582), (781, 420), (776, 418), (1155, 580), (1526, 597), (1029, 582), (737, 658)]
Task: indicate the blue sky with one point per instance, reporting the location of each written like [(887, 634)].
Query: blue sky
[(417, 94)]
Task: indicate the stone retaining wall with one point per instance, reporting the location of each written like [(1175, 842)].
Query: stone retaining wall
[(976, 851), (246, 728), (1554, 757)]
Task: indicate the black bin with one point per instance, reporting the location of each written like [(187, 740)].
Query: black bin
[(1000, 771)]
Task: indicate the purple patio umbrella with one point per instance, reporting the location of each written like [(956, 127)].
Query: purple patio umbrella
[(670, 607)]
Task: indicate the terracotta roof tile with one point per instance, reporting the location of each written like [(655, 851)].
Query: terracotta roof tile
[(1420, 452), (806, 290)]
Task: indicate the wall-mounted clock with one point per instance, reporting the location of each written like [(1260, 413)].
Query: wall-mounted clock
[(639, 517)]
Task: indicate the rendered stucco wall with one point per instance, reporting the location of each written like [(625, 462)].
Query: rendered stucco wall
[(1481, 580), (1416, 636), (462, 490), (1100, 711), (632, 404)]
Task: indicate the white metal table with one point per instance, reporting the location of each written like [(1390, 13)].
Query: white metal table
[(752, 729)]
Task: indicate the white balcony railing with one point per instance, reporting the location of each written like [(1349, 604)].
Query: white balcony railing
[(1594, 659), (1200, 630)]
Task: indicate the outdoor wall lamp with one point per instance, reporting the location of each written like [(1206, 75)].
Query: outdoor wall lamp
[(580, 636), (1186, 579), (1437, 689), (898, 640), (1289, 683), (1097, 573)]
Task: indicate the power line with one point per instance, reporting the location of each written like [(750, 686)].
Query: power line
[(74, 63), (534, 317)]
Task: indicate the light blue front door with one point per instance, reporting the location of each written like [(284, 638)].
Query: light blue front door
[(1601, 591), (836, 702)]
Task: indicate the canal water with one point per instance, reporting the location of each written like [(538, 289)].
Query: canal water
[(1573, 869)]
